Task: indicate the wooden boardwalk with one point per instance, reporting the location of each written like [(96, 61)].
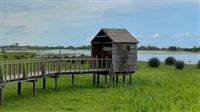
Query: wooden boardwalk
[(31, 70)]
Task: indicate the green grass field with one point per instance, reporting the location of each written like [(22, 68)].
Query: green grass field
[(8, 56), (153, 89)]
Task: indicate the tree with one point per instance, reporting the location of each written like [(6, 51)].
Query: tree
[(16, 45), (172, 48)]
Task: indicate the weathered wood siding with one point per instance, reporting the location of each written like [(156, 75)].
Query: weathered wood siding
[(124, 60)]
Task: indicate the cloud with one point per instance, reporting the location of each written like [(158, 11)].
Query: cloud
[(180, 35), (16, 30), (54, 17), (156, 35), (186, 34)]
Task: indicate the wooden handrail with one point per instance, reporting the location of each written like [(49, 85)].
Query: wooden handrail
[(24, 69)]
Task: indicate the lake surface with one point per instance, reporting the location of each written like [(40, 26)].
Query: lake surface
[(187, 57)]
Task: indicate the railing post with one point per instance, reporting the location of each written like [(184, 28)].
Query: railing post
[(24, 72), (43, 71), (59, 66)]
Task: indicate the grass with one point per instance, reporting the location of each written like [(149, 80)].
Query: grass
[(8, 56), (153, 89)]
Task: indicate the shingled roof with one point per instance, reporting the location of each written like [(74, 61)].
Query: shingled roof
[(119, 35)]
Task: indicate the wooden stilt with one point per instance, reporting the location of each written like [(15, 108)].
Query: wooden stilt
[(34, 87), (105, 78), (130, 79), (73, 80), (19, 88), (113, 79), (56, 83), (124, 79), (1, 94), (44, 83), (117, 79), (94, 79), (98, 79)]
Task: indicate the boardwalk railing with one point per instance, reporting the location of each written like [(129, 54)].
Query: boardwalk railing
[(11, 71)]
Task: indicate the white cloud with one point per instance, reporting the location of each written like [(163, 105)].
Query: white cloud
[(156, 35), (178, 35)]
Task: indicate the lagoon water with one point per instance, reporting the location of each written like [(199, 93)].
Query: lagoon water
[(187, 57)]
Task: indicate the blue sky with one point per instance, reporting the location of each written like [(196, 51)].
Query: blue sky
[(49, 22)]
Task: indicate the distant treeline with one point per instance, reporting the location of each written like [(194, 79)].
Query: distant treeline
[(171, 48), (24, 48), (16, 46)]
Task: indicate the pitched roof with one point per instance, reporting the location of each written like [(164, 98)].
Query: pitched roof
[(119, 35)]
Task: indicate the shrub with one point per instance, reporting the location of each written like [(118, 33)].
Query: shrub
[(5, 56), (17, 57), (22, 56), (154, 62), (170, 61), (66, 56), (33, 55), (198, 64), (55, 56), (179, 64)]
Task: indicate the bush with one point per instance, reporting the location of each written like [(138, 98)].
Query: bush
[(198, 64), (33, 55), (170, 61), (22, 56), (17, 57), (55, 56), (66, 56), (154, 62), (179, 64), (5, 56)]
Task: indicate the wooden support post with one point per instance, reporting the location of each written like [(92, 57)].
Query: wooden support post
[(56, 83), (124, 79), (130, 79), (94, 79), (117, 79), (44, 83), (98, 79), (19, 88), (1, 94), (72, 79), (34, 87), (1, 86), (113, 79), (105, 78)]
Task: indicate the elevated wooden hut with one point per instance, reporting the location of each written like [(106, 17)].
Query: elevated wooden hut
[(118, 45)]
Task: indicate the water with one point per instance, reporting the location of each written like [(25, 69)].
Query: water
[(187, 57)]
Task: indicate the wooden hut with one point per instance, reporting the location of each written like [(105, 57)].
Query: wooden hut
[(118, 45)]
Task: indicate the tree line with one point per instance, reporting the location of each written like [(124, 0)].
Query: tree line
[(16, 46)]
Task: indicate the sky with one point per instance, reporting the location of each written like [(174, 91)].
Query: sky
[(160, 23)]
